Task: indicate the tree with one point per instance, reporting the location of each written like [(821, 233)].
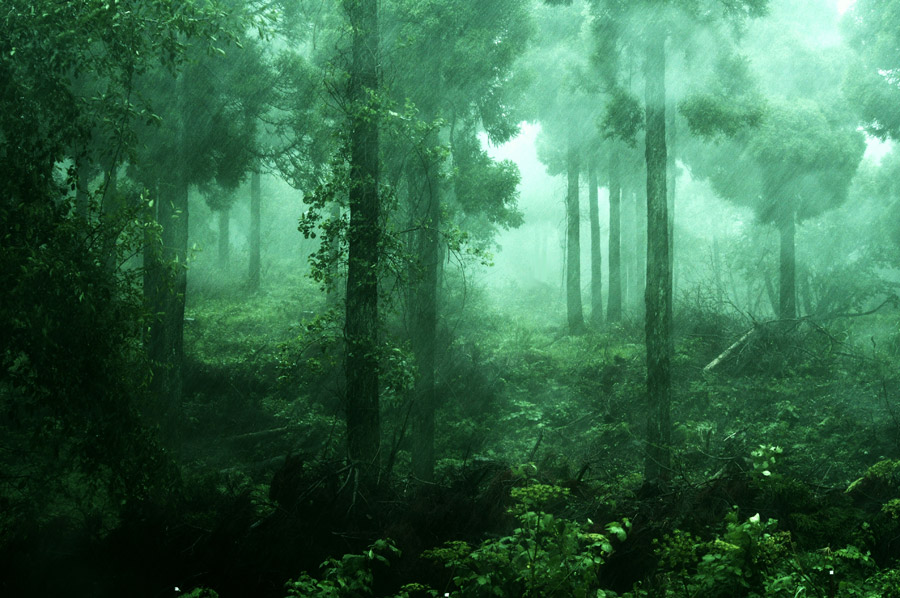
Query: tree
[(795, 165), (574, 313), (566, 107), (659, 20), (873, 29), (301, 136), (614, 305), (619, 124), (596, 252), (658, 316), (789, 156), (73, 370), (202, 135), (458, 79), (221, 201), (254, 264), (363, 239)]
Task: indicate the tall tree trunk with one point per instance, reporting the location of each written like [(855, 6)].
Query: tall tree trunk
[(333, 288), (629, 249), (596, 251), (363, 237), (165, 285), (110, 210), (574, 312), (224, 241), (640, 250), (670, 202), (166, 282), (154, 279), (254, 230), (770, 293), (805, 292), (82, 194), (424, 319), (717, 273), (788, 276), (614, 304), (659, 285)]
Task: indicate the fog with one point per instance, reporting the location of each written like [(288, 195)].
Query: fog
[(418, 298)]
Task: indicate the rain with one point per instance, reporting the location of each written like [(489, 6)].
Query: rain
[(419, 298)]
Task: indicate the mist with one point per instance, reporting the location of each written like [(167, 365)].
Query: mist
[(411, 298)]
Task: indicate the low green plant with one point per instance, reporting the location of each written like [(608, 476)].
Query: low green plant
[(350, 576), (764, 458), (745, 560), (545, 555)]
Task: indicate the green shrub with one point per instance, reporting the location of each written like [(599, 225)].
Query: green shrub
[(349, 576), (545, 556)]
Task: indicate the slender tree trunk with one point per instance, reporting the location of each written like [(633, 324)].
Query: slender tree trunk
[(254, 230), (332, 290), (670, 202), (82, 195), (364, 235), (574, 312), (424, 318), (615, 239), (788, 276), (629, 249), (165, 285), (659, 286), (224, 241), (805, 292), (717, 273), (110, 208), (596, 251), (165, 282), (154, 277), (640, 251)]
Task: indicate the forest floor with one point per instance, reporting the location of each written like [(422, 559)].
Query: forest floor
[(782, 455)]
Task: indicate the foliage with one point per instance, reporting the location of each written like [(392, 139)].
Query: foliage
[(545, 555), (872, 27), (350, 576), (735, 563), (764, 458), (794, 162), (483, 187)]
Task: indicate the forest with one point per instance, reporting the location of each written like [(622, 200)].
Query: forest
[(469, 298)]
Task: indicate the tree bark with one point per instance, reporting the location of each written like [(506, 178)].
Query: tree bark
[(596, 251), (332, 289), (805, 293), (670, 201), (110, 208), (614, 303), (659, 285), (640, 251), (364, 235), (424, 319), (574, 312), (165, 276), (82, 195), (165, 285), (788, 276), (224, 241), (717, 273), (255, 251)]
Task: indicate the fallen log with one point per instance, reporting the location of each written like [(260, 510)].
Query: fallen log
[(731, 349)]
